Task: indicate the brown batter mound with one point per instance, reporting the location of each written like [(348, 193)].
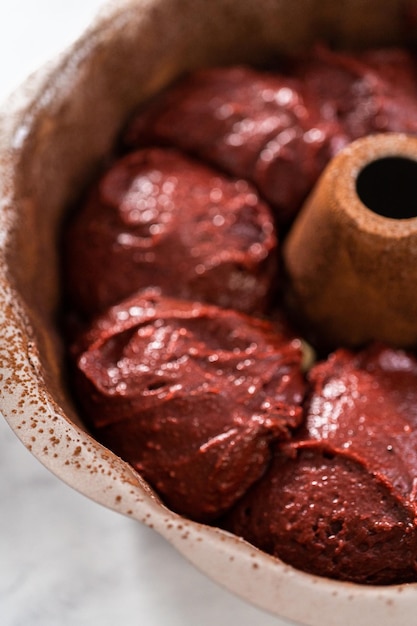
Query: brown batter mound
[(193, 396), (340, 500), (158, 218)]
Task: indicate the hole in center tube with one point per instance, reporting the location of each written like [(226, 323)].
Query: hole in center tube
[(388, 187)]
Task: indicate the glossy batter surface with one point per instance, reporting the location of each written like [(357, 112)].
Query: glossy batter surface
[(340, 499), (193, 396), (179, 378), (158, 218), (279, 129)]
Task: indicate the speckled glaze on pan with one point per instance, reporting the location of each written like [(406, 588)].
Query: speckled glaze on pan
[(54, 132)]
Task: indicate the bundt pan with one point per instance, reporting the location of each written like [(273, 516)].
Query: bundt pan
[(54, 132)]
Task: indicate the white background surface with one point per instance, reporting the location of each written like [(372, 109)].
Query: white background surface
[(64, 560)]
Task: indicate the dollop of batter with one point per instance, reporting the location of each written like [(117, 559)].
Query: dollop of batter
[(279, 129), (252, 124), (340, 499), (193, 396), (158, 218)]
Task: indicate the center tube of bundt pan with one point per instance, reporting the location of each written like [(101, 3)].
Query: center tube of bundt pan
[(351, 255)]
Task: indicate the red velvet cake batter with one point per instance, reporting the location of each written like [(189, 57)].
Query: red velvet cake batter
[(278, 130), (158, 218), (193, 396), (340, 499), (166, 263)]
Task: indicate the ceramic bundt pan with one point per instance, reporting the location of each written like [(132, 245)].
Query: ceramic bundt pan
[(54, 132)]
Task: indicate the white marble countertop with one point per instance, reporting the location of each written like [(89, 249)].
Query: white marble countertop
[(64, 560)]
